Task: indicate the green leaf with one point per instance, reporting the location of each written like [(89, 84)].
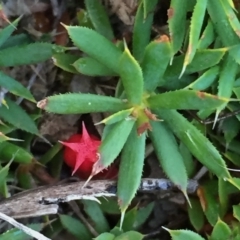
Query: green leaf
[(217, 42), (131, 168), (130, 235), (221, 23), (23, 121), (168, 154), (232, 17), (9, 150), (55, 166), (195, 214), (207, 37), (104, 51), (205, 80), (211, 210), (187, 159), (142, 27), (237, 83), (183, 235), (196, 142), (227, 188), (236, 212), (109, 151), (105, 236), (230, 128), (195, 29), (5, 129), (234, 181), (221, 231), (233, 146), (91, 67), (205, 113), (227, 78), (50, 154), (4, 138), (116, 117), (190, 5), (75, 227), (233, 157), (185, 99), (236, 91), (129, 220), (24, 177), (119, 89), (223, 192), (3, 177), (56, 225), (17, 40), (148, 7), (156, 58), (109, 206), (143, 214), (4, 171), (107, 129), (94, 211), (131, 77), (74, 103), (65, 61), (176, 23), (99, 18), (7, 31), (84, 19), (171, 84), (15, 87), (234, 51), (116, 231), (202, 60), (18, 234), (22, 55)]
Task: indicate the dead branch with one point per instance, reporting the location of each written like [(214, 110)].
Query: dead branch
[(44, 200)]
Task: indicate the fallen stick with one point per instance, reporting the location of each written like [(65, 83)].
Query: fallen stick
[(44, 200)]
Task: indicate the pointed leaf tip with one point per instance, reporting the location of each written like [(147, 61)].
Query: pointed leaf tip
[(122, 218), (182, 72), (187, 198), (183, 234), (87, 181), (97, 167), (64, 25), (125, 44), (162, 38), (168, 230), (146, 126), (42, 104), (216, 119)]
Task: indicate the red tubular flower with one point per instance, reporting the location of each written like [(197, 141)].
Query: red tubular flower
[(81, 152)]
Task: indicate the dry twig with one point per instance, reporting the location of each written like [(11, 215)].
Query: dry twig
[(25, 229), (44, 200)]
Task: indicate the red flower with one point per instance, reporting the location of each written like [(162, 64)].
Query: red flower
[(81, 152)]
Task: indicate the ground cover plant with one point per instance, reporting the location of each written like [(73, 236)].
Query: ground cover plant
[(161, 81)]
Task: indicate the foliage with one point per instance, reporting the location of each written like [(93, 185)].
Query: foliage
[(16, 51), (192, 67), (145, 77)]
